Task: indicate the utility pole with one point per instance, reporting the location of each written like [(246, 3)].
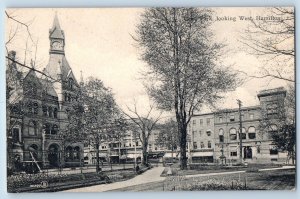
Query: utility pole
[(241, 131)]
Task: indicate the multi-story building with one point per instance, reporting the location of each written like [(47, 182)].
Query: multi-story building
[(201, 137), (38, 108), (257, 146)]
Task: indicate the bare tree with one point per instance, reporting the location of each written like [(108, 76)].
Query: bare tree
[(184, 72), (144, 124), (272, 40)]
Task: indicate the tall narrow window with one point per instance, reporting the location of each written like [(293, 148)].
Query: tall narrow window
[(208, 144), (221, 135), (55, 112), (32, 128), (35, 108), (201, 122), (208, 121), (232, 134)]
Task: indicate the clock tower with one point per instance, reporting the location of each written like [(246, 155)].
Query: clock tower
[(57, 38)]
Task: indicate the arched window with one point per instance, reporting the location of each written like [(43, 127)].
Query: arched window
[(32, 128), (45, 110), (35, 108), (243, 133), (70, 83), (54, 129), (47, 128), (30, 107), (76, 152), (69, 155), (55, 112), (50, 111), (252, 132), (16, 134), (232, 134), (221, 135)]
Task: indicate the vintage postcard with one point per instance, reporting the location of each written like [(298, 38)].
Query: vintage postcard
[(150, 99)]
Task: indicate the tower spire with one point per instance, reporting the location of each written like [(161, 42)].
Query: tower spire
[(55, 31)]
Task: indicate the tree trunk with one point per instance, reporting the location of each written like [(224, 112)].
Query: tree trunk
[(145, 159), (183, 158), (97, 158)]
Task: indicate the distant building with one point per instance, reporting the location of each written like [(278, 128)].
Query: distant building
[(37, 109), (201, 136), (225, 135)]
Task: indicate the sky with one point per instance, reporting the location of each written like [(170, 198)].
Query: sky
[(99, 43)]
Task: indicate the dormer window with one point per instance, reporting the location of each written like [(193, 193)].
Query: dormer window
[(70, 83)]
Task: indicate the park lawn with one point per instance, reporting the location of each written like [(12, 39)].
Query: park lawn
[(263, 180)]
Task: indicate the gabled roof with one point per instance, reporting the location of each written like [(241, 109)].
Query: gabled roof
[(48, 87)]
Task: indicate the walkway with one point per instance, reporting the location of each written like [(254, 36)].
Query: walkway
[(152, 175)]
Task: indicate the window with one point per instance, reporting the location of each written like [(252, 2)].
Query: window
[(76, 152), (233, 153), (208, 133), (208, 121), (30, 108), (200, 133), (194, 122), (32, 128), (50, 112), (232, 134), (195, 145), (55, 112), (273, 150), (47, 129), (45, 109), (16, 134), (35, 108), (220, 119), (251, 116), (251, 132), (54, 129), (70, 83), (232, 118), (221, 135), (202, 145), (208, 144), (272, 109), (201, 122)]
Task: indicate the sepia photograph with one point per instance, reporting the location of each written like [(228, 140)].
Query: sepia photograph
[(154, 99)]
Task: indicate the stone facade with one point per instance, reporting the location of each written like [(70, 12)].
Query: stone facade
[(257, 144), (38, 106)]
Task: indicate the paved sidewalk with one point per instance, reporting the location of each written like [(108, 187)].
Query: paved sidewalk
[(152, 175)]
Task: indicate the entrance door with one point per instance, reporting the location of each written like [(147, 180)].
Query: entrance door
[(53, 155), (247, 152)]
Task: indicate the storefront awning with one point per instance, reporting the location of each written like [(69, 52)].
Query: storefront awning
[(202, 154), (133, 155)]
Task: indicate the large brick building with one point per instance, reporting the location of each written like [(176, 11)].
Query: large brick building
[(37, 108), (215, 137)]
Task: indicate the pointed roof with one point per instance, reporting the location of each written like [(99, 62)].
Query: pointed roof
[(55, 31)]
